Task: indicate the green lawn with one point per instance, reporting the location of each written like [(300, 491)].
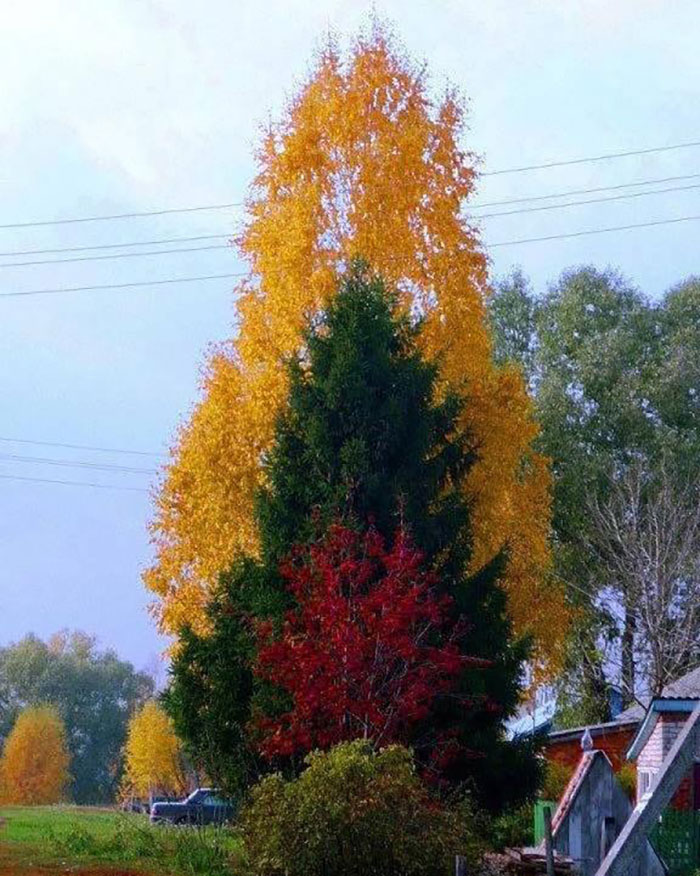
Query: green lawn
[(67, 838)]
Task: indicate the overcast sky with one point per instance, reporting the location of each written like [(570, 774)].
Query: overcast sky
[(113, 107)]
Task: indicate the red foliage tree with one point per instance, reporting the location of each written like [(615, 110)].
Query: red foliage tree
[(366, 651)]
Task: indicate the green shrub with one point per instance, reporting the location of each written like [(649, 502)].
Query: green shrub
[(353, 812), (556, 778), (512, 829), (627, 777)]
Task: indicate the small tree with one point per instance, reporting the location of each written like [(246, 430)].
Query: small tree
[(35, 759), (367, 650), (153, 761)]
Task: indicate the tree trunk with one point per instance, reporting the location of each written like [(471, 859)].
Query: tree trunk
[(628, 668)]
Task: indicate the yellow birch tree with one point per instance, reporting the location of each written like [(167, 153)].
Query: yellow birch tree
[(363, 163), (153, 758), (35, 759)]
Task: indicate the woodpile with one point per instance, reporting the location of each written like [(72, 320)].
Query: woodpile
[(525, 862)]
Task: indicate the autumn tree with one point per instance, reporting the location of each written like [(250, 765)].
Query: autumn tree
[(94, 692), (363, 163), (153, 758), (35, 759), (364, 654), (362, 443)]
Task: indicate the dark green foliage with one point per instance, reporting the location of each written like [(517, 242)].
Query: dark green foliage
[(209, 698), (513, 829), (362, 441), (353, 812), (94, 692), (362, 437)]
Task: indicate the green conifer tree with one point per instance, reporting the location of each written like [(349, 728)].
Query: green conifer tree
[(364, 441)]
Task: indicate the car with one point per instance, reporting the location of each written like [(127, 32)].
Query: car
[(203, 806)]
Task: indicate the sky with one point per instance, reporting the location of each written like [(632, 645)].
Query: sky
[(126, 106)]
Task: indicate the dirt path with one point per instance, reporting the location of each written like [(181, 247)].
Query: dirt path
[(24, 869), (30, 870)]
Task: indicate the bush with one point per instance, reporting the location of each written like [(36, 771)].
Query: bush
[(512, 829), (627, 777), (556, 778), (353, 812)]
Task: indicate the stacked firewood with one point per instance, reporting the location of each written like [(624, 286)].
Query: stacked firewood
[(525, 862)]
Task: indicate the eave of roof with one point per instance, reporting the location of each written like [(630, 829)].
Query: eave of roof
[(594, 729), (657, 707)]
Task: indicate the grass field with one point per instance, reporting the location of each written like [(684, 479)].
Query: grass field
[(92, 841)]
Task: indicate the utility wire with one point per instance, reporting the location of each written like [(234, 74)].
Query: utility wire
[(205, 207), (200, 237), (99, 466), (133, 285), (128, 243), (105, 218), (116, 255), (73, 483), (641, 182), (174, 280), (139, 254), (588, 201), (80, 447), (592, 231), (589, 159)]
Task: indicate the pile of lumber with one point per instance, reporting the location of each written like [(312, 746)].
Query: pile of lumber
[(527, 862)]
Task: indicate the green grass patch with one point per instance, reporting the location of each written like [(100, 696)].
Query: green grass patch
[(69, 836)]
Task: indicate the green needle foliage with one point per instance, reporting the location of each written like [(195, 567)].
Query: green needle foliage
[(366, 439)]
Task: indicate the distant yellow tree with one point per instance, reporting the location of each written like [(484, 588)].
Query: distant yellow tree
[(153, 756), (364, 163), (35, 759)]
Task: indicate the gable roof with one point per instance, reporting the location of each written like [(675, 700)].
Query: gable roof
[(682, 705), (574, 786), (687, 686)]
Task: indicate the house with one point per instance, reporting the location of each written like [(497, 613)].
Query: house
[(662, 725), (591, 815), (615, 738), (595, 823), (666, 751)]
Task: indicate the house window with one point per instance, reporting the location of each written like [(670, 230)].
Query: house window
[(644, 782)]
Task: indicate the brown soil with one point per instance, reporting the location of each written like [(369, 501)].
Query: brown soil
[(30, 870)]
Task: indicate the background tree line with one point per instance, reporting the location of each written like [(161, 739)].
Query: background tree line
[(616, 382), (93, 695)]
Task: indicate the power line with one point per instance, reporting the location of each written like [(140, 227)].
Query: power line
[(73, 483), (177, 250), (115, 255), (592, 158), (43, 460), (128, 243), (593, 231), (80, 447), (566, 194), (105, 218), (589, 201), (204, 207), (133, 285), (233, 274)]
